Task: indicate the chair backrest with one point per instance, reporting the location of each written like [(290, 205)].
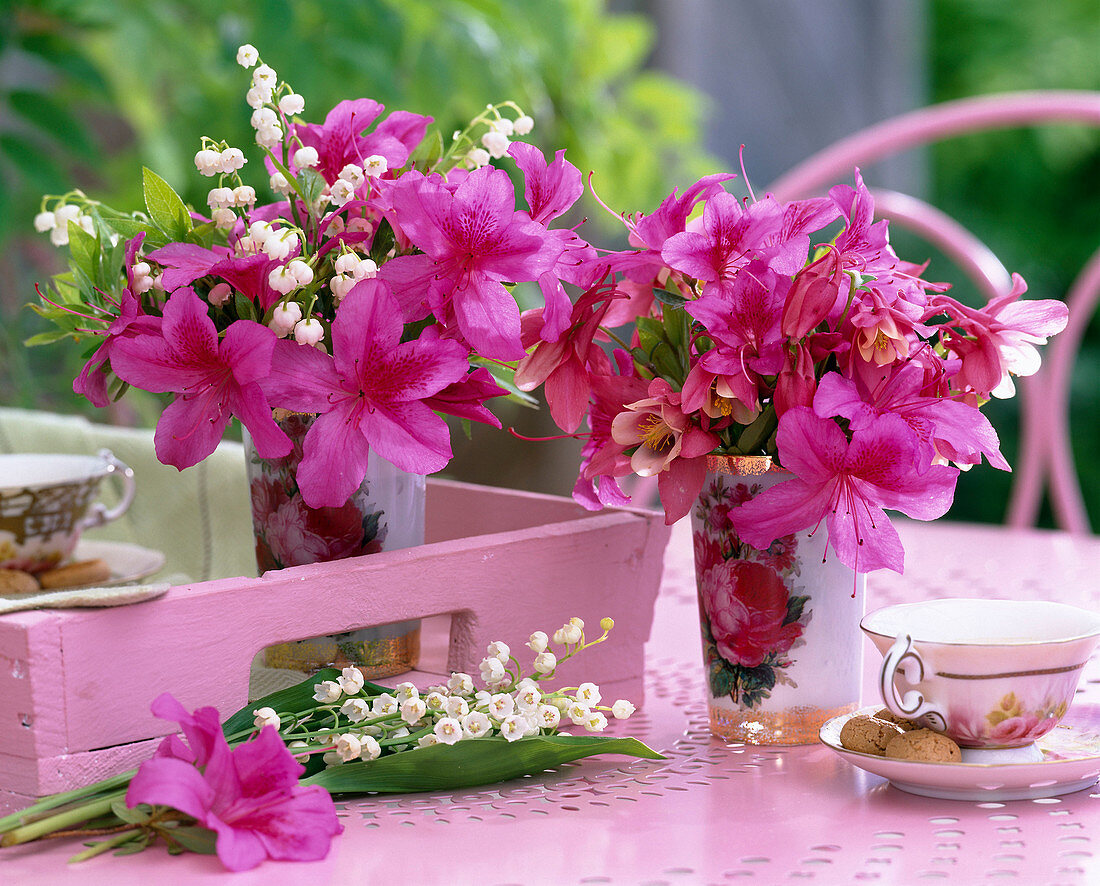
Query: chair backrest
[(1046, 454)]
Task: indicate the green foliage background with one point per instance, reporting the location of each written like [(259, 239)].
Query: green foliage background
[(1032, 195)]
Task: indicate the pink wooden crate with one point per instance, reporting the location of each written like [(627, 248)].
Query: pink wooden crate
[(75, 685)]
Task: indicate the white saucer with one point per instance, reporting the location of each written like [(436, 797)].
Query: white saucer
[(1071, 762), (128, 562)]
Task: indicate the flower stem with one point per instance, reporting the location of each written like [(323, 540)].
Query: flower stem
[(105, 845), (23, 816), (62, 820)]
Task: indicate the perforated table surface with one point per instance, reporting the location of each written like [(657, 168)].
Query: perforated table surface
[(712, 812)]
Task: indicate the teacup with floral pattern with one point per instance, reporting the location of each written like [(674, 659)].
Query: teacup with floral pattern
[(987, 673), (48, 499)]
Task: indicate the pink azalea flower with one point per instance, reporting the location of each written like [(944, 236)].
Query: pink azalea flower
[(550, 191), (130, 322), (372, 394), (213, 380), (744, 322), (999, 340), (184, 263), (847, 484), (249, 796), (473, 241), (466, 397), (340, 139), (946, 427), (734, 235), (813, 293), (602, 459), (564, 366), (668, 444)]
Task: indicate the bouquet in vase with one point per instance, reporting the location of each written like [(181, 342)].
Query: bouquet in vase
[(790, 330), (370, 290)]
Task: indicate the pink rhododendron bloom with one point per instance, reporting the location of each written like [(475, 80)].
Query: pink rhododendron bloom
[(550, 190), (945, 426), (999, 340), (213, 380), (184, 263), (371, 394), (746, 604), (130, 322), (602, 460), (813, 293), (669, 445), (473, 241), (466, 397), (847, 484), (563, 366), (249, 796), (733, 235), (340, 140), (744, 323)]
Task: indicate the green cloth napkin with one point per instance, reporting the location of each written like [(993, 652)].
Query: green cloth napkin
[(199, 518)]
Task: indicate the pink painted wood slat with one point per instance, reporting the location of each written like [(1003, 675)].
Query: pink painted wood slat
[(501, 563)]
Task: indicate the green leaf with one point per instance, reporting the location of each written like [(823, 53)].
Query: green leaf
[(138, 815), (195, 839), (795, 605), (669, 299), (505, 377), (667, 362), (132, 847), (84, 249), (294, 698), (754, 436), (165, 207), (46, 338), (310, 185), (427, 152), (245, 309), (470, 763), (721, 679), (126, 226)]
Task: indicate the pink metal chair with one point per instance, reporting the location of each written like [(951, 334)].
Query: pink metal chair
[(1046, 456)]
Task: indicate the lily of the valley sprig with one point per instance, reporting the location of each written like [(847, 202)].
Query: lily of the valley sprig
[(258, 785), (372, 287)]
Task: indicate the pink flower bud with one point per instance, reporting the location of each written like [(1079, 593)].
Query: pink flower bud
[(812, 295)]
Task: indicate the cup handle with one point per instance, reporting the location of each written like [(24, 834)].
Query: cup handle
[(99, 513), (903, 658)]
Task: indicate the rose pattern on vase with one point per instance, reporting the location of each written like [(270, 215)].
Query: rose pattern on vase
[(771, 619), (386, 512)]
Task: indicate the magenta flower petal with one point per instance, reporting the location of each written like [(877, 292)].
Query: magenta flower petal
[(169, 781), (335, 458), (301, 379), (410, 436), (186, 262), (250, 796), (848, 484), (189, 429), (489, 318), (549, 189)]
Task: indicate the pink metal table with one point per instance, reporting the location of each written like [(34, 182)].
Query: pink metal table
[(712, 812)]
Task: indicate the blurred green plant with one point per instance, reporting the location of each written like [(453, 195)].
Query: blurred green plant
[(1033, 195), (92, 89)]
